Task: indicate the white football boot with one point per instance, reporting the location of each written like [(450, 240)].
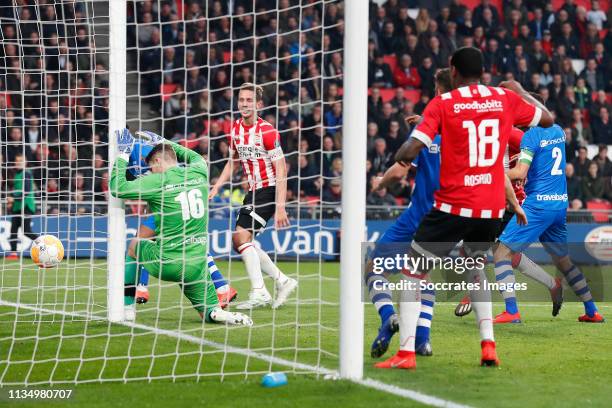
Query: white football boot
[(130, 313), (257, 298), (219, 315), (283, 290)]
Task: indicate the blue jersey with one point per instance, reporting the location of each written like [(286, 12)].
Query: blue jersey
[(544, 150), (427, 181)]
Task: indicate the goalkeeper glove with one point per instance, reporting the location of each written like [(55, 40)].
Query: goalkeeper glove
[(125, 142), (150, 137)]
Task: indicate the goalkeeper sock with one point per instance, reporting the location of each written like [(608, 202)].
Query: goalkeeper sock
[(409, 308), (428, 299), (505, 276), (129, 280), (251, 262), (218, 279), (535, 272), (481, 303), (381, 297), (269, 267), (579, 285), (143, 277)]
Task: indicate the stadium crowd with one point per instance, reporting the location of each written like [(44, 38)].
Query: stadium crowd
[(190, 55)]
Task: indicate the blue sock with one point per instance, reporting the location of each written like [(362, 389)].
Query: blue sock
[(215, 275), (590, 308), (428, 300), (143, 276), (385, 312), (511, 306)]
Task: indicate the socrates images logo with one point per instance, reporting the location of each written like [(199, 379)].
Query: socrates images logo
[(598, 243)]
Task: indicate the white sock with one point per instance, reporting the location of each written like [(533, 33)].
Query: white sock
[(481, 303), (409, 308), (270, 267), (251, 262), (222, 289), (535, 272)]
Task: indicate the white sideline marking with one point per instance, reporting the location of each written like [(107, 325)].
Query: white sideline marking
[(366, 382)]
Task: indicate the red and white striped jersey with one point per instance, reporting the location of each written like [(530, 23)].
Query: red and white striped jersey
[(475, 122), (257, 146)]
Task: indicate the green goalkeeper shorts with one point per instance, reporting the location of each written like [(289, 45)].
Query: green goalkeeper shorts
[(190, 272)]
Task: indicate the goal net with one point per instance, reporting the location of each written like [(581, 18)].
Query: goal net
[(185, 61)]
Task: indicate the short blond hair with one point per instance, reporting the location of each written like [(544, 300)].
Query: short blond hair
[(258, 90)]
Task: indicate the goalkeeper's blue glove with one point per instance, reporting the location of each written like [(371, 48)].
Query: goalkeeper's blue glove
[(149, 137), (125, 141)]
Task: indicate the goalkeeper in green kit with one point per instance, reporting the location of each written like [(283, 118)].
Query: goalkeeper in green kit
[(178, 196)]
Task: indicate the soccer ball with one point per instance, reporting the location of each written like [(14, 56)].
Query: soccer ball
[(47, 251)]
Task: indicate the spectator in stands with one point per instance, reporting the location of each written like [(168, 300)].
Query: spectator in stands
[(582, 94), (596, 15), (592, 185), (602, 128), (603, 162), (332, 195), (381, 198), (405, 74), (581, 132), (379, 73), (593, 76), (601, 101), (571, 144), (574, 192), (380, 156), (581, 163), (333, 118)]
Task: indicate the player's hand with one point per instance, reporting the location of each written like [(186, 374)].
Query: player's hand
[(125, 141), (521, 217), (149, 137), (214, 190), (281, 220), (513, 86), (412, 119)]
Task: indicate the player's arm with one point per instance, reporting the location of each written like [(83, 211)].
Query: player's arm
[(142, 188), (271, 142), (186, 155), (542, 116), (224, 177), (281, 219), (422, 135), (393, 175), (519, 172), (521, 217)]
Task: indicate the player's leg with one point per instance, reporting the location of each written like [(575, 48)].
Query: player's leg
[(477, 241), (422, 340), (16, 221), (146, 230), (198, 287), (264, 207), (430, 241), (554, 240), (225, 293), (136, 253), (242, 240), (515, 239), (529, 268)]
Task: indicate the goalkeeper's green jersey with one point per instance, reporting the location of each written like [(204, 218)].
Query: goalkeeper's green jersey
[(178, 198)]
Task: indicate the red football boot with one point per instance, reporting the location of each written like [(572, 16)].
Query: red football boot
[(12, 256), (506, 317), (226, 297), (142, 294), (596, 318), (403, 359), (489, 355)]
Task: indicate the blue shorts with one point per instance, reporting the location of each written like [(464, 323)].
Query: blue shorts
[(401, 232), (547, 226), (148, 222)]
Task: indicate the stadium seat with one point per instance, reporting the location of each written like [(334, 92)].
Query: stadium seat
[(386, 94), (227, 56), (391, 60), (311, 200), (578, 65), (413, 95), (596, 206), (603, 4)]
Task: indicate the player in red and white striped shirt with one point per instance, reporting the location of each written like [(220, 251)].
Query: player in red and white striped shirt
[(475, 122), (256, 144)]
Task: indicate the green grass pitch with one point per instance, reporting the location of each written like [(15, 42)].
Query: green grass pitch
[(546, 361)]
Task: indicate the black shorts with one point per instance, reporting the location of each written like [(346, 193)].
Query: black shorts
[(257, 208), (504, 222), (440, 232)]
